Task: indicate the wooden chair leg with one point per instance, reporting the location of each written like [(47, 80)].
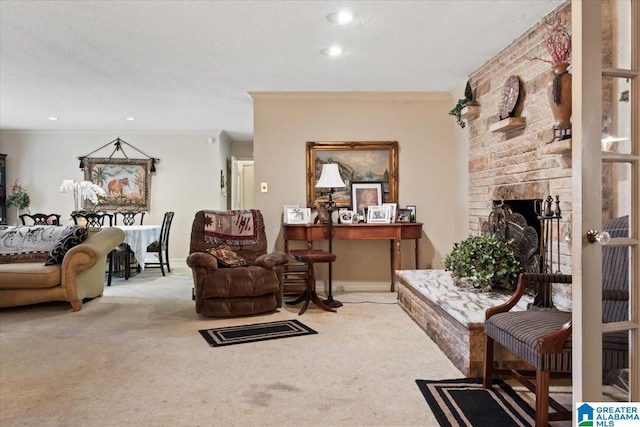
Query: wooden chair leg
[(110, 259), (166, 257), (542, 398), (487, 377), (127, 266), (161, 263)]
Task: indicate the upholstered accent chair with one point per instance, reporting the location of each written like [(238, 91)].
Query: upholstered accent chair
[(539, 335), (221, 291)]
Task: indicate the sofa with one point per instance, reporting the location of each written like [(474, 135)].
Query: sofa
[(233, 275), (76, 271)]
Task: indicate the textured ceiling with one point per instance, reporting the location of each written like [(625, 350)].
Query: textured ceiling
[(188, 65)]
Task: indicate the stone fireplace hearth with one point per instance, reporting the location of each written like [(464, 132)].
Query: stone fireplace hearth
[(453, 317)]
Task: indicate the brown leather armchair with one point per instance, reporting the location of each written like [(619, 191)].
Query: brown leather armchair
[(224, 291)]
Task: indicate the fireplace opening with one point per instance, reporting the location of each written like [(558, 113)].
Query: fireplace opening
[(520, 221), (528, 208)]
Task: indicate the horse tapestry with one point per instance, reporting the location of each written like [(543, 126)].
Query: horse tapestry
[(127, 182)]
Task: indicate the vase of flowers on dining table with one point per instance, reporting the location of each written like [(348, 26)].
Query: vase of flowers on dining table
[(85, 194)]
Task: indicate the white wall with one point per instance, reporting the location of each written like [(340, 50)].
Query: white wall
[(187, 177), (428, 177)]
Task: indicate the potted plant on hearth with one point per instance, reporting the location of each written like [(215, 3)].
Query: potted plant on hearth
[(468, 103), (487, 261)]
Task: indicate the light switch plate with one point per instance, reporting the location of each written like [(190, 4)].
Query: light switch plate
[(263, 187)]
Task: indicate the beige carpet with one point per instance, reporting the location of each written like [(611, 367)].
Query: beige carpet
[(135, 358)]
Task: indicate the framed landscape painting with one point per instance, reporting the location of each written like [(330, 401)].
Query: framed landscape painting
[(127, 182), (363, 161)]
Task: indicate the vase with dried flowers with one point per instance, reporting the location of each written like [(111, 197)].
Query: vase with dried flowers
[(19, 198), (557, 42)]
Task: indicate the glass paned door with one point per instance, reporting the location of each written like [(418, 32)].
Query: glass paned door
[(620, 199)]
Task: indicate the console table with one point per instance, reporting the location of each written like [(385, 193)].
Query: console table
[(394, 232)]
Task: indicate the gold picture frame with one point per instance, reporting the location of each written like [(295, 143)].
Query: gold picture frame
[(358, 161)]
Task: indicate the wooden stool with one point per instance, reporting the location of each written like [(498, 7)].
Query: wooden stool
[(310, 257)]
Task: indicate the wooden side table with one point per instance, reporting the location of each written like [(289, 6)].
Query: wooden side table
[(310, 257)]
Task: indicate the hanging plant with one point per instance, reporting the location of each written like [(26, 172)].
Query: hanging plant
[(463, 102)]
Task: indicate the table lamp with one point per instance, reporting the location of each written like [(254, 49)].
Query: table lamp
[(330, 178)]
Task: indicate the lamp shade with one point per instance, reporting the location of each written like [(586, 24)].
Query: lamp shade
[(330, 177)]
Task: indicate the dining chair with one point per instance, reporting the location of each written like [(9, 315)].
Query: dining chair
[(40, 219), (128, 217), (161, 246), (124, 258), (96, 220), (93, 219)]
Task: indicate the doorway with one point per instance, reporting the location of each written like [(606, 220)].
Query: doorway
[(242, 184)]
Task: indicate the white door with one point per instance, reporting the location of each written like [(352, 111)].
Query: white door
[(605, 154), (247, 185)]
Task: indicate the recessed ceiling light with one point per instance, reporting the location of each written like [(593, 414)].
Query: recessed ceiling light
[(332, 51), (341, 18), (53, 118), (130, 118)]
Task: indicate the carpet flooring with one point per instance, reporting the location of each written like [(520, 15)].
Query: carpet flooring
[(241, 334), (134, 357), (464, 402)]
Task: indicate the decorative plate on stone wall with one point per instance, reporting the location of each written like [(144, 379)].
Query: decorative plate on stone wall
[(510, 93)]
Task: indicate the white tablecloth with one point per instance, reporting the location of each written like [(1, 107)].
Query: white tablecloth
[(138, 237)]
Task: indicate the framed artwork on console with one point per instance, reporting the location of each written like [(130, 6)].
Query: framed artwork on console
[(361, 162)]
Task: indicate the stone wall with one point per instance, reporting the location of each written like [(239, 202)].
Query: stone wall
[(521, 163)]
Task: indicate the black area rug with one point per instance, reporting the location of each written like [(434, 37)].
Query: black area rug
[(229, 335), (464, 402)]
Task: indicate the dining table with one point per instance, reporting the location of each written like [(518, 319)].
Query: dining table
[(138, 237)]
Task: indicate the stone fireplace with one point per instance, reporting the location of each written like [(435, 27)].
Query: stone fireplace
[(521, 164)]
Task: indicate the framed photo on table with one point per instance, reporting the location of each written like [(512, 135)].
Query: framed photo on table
[(284, 212), (393, 207), (412, 209), (298, 215), (345, 216), (358, 161), (379, 215), (404, 215), (365, 194)]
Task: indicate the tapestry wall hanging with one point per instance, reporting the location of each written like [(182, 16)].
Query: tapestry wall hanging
[(126, 182)]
